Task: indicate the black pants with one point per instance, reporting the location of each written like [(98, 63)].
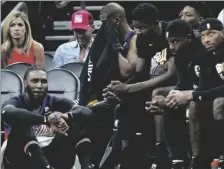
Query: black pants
[(159, 119), (172, 128), (103, 129), (137, 128), (60, 152), (176, 133), (206, 123)]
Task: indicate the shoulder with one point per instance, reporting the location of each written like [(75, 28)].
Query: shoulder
[(68, 44), (201, 52), (15, 101), (38, 47), (62, 104), (164, 25)]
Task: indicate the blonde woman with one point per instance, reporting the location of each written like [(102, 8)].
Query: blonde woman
[(18, 44)]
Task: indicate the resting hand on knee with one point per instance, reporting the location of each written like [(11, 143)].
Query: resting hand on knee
[(178, 99)]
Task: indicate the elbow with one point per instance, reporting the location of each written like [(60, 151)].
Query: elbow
[(6, 114), (126, 74)]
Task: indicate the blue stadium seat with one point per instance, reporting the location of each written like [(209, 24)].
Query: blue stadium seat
[(63, 83), (75, 67), (48, 58), (12, 84), (19, 67)]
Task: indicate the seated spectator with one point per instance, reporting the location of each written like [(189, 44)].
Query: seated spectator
[(77, 50), (18, 44), (35, 114)]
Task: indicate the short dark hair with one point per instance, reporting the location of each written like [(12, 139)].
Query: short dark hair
[(33, 68), (146, 12), (201, 7)]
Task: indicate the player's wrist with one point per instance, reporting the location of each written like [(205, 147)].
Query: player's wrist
[(189, 96), (46, 120)]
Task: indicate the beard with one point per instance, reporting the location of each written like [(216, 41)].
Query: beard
[(32, 96)]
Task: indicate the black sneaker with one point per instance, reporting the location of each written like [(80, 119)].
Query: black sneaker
[(154, 166), (91, 166)]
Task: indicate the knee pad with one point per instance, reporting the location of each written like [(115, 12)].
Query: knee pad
[(218, 108)]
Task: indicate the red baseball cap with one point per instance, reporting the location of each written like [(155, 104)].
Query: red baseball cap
[(81, 20)]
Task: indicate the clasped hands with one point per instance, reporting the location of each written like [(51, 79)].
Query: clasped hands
[(57, 121), (114, 91), (174, 100)]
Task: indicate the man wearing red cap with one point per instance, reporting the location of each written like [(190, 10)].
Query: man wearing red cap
[(76, 51)]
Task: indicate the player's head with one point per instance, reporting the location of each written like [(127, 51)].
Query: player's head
[(212, 33), (179, 34), (35, 82), (145, 18)]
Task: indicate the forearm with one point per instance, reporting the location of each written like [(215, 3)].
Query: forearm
[(209, 94), (151, 84), (14, 116)]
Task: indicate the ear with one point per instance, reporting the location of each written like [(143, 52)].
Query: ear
[(25, 84), (201, 19), (93, 27), (118, 20), (223, 33)]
